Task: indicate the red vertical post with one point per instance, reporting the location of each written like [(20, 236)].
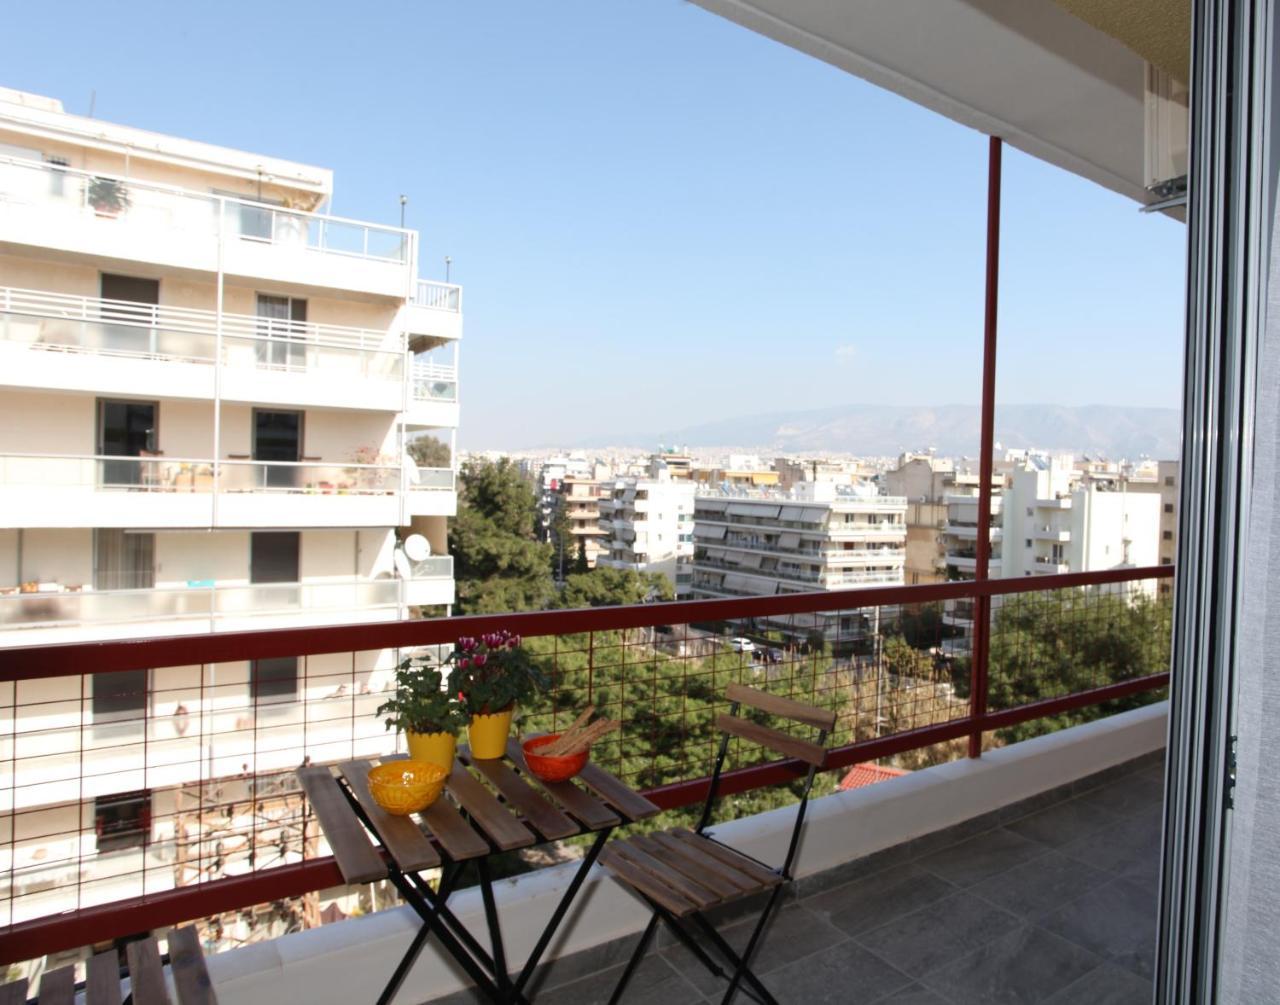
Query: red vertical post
[(982, 555)]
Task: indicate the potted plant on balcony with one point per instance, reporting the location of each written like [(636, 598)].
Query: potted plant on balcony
[(428, 714), (108, 196), (491, 675)]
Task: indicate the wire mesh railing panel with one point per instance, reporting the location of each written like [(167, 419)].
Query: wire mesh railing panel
[(131, 783), (1053, 643)]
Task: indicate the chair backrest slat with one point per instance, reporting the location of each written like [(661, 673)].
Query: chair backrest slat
[(775, 740), (819, 718)]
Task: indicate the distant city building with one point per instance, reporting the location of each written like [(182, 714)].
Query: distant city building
[(924, 481), (738, 471), (1055, 522), (648, 525), (792, 471), (821, 536), (579, 499)]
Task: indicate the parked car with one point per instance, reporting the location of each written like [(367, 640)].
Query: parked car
[(741, 645)]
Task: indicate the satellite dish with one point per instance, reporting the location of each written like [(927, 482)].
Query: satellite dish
[(417, 547), (402, 565)]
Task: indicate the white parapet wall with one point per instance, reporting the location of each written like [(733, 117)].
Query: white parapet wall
[(349, 961)]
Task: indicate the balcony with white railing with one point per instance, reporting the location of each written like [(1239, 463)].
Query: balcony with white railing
[(1048, 565), (433, 311), (433, 395), (53, 612), (969, 531), (43, 490), (969, 563), (88, 344), (109, 217), (430, 491), (1048, 532)]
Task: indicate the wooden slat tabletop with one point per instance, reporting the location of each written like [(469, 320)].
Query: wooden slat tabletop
[(593, 813), (538, 811), (102, 979), (499, 823), (404, 840), (15, 993), (190, 975), (58, 987), (357, 859), (146, 975), (623, 799), (457, 837)]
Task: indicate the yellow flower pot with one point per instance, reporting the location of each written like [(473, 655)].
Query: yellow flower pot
[(488, 734), (434, 748)]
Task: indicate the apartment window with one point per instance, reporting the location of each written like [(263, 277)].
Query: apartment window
[(281, 332), (1168, 507), (123, 560), (1168, 480), (274, 556), (277, 436), (1030, 511), (57, 176), (123, 820), (127, 429), (1167, 535), (1028, 542), (118, 696), (273, 680), (1166, 561)]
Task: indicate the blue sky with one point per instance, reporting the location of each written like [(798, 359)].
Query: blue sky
[(660, 218)]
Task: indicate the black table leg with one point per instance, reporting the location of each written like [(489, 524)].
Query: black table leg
[(448, 877), (561, 909), (495, 928)]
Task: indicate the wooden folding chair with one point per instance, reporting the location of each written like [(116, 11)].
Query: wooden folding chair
[(680, 874)]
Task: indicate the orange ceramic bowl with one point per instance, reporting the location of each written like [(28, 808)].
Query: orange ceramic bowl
[(548, 768), (401, 787)]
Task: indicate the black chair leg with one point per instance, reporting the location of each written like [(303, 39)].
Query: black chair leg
[(745, 962), (634, 962)]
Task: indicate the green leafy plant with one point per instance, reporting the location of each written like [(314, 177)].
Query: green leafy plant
[(493, 672), (421, 703), (108, 195)]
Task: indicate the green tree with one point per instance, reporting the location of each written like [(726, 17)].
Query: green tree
[(428, 452), (608, 587), (1060, 642), (580, 565), (498, 563), (560, 536)]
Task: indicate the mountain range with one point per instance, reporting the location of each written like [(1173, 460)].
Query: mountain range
[(952, 430)]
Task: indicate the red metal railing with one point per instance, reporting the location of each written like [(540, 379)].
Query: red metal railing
[(889, 664)]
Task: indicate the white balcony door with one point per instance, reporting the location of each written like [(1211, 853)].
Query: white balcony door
[(131, 302), (282, 344)]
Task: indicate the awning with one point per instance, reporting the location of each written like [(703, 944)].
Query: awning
[(1036, 73)]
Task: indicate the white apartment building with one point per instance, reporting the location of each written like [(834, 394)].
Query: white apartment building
[(1049, 518), (820, 536), (206, 390), (1055, 523), (580, 499), (648, 523)]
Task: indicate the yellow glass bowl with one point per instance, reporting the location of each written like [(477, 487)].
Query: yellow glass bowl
[(402, 787)]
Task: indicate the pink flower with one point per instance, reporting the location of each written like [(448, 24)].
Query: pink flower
[(513, 642), (480, 659), (464, 663), (466, 643)]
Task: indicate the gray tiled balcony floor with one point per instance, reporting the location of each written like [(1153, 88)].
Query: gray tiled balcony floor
[(1055, 903)]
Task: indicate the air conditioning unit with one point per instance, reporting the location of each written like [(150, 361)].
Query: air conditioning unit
[(1167, 130)]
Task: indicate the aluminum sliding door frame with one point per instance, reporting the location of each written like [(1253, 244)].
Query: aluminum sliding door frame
[(1228, 216)]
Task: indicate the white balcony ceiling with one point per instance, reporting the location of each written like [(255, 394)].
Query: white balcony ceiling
[(1029, 71)]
